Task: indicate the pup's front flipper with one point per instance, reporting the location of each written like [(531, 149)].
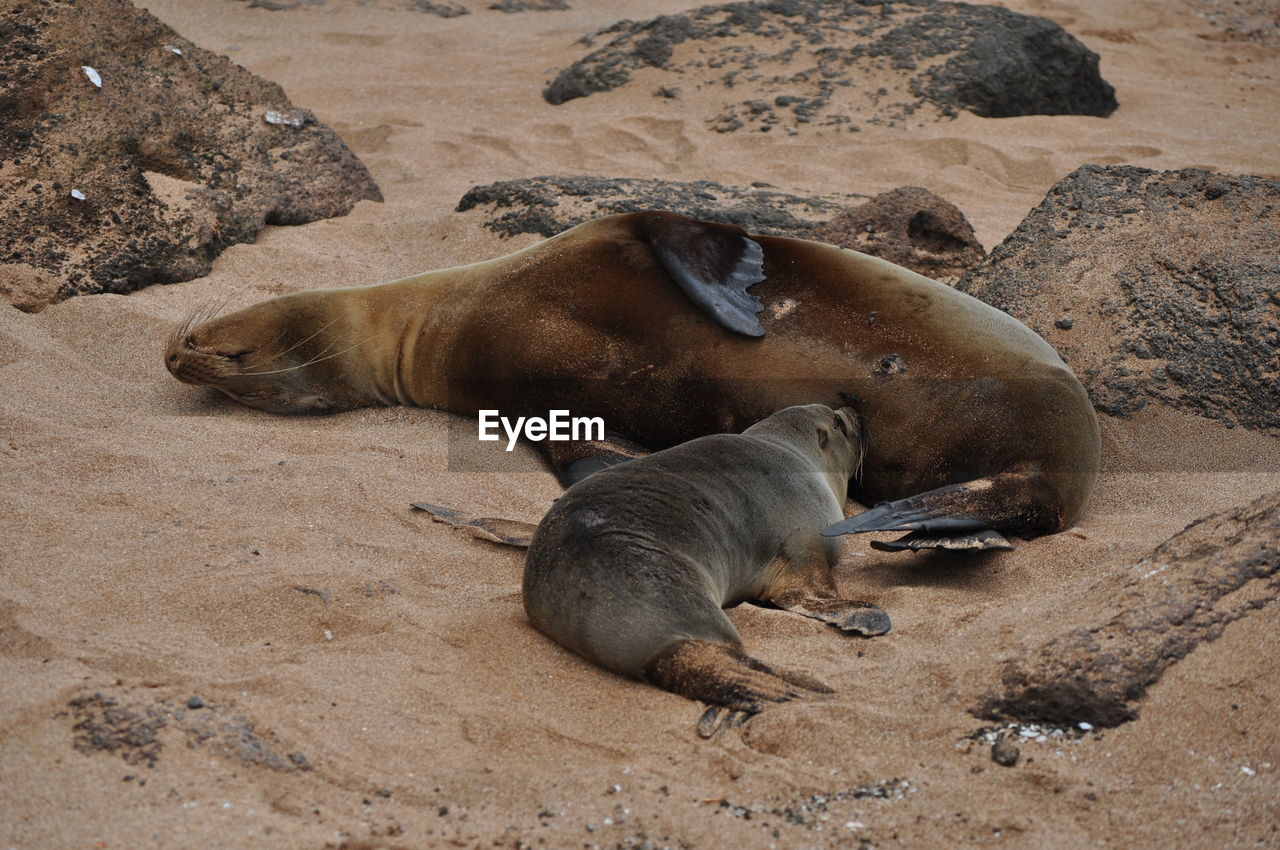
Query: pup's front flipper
[(959, 516), (847, 615), (508, 532), (736, 685)]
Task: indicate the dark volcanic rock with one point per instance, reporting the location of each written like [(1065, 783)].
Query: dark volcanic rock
[(283, 5), (1183, 594), (1153, 286), (529, 6), (827, 61), (149, 177), (442, 9), (912, 227), (548, 205)]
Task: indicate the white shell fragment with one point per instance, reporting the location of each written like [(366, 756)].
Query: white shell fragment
[(77, 194), (92, 75), (175, 50), (288, 117)]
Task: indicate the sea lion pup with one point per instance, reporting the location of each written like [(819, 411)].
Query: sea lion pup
[(631, 566), (644, 320)]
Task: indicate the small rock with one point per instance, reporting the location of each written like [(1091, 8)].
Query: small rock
[(1004, 752), (195, 702), (912, 227)]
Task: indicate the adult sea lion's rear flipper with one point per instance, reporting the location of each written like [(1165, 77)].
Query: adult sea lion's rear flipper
[(714, 264), (508, 532), (973, 541), (728, 679), (962, 517)]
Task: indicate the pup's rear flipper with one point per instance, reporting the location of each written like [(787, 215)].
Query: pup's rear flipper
[(735, 685), (508, 532), (961, 517)]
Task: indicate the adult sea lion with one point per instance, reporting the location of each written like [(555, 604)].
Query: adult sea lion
[(973, 423), (631, 567)]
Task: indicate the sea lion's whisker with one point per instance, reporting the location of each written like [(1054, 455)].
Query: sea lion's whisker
[(266, 354), (312, 361), (301, 342), (210, 309)]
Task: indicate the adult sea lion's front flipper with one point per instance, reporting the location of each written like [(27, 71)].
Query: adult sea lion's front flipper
[(961, 517), (714, 264), (574, 460), (508, 532)]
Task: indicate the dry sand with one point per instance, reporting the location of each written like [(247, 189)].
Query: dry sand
[(368, 678)]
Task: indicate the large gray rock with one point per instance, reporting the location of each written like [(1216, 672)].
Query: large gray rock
[(149, 176), (1154, 286), (840, 62), (1182, 595)]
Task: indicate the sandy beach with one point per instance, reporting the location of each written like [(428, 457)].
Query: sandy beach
[(225, 628)]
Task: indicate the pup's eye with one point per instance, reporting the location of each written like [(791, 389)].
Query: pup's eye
[(842, 425)]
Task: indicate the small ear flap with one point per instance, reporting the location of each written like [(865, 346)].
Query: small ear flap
[(714, 264), (824, 437)]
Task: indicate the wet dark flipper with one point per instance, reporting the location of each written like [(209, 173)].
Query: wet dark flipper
[(728, 679), (574, 460), (961, 516), (713, 264), (974, 541), (508, 532)]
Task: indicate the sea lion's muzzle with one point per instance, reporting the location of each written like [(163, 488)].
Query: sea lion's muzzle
[(194, 364)]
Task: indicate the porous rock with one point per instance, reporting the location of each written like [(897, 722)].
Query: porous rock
[(445, 9), (148, 177), (512, 6), (1155, 286), (1256, 21), (835, 62), (549, 205), (1213, 572), (911, 227)]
